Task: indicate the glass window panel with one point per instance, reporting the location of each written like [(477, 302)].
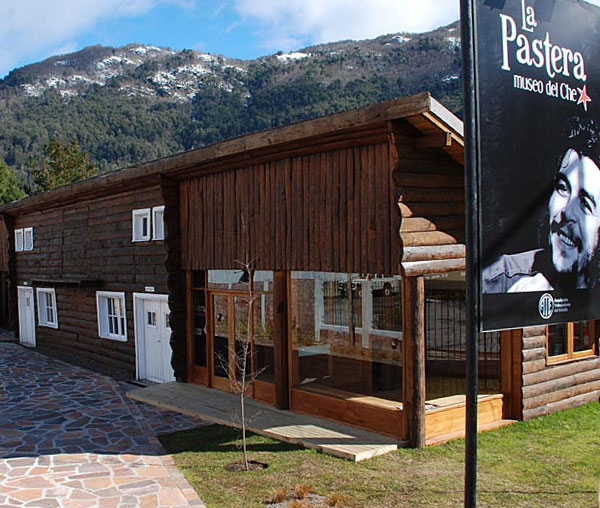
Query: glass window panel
[(238, 280), (199, 328), (583, 336), (28, 239), (342, 292), (221, 336), (331, 357), (18, 240), (558, 340), (242, 336), (387, 304), (158, 223), (263, 338)]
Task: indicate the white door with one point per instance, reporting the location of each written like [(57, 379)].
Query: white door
[(153, 343), (26, 316)]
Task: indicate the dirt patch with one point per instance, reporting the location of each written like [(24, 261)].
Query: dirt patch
[(238, 466)]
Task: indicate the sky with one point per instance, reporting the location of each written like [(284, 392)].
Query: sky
[(31, 30)]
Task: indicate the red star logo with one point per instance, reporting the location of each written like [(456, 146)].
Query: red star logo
[(584, 98)]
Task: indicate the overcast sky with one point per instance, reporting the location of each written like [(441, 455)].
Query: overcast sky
[(31, 30)]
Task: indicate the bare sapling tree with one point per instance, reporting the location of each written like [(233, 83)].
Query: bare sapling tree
[(243, 359)]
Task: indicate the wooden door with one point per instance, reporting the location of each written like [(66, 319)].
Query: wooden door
[(154, 333), (26, 316), (153, 341)]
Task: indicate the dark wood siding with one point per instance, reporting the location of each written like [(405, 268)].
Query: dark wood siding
[(176, 278), (431, 206), (92, 240), (325, 211), (551, 388), (4, 246)]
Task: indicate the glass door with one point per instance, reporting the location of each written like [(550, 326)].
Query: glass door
[(241, 342), (222, 342)]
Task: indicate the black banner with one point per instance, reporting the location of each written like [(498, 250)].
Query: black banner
[(538, 67)]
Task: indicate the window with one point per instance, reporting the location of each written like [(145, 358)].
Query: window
[(571, 340), (28, 239), (18, 240), (112, 322), (158, 224), (376, 303), (46, 301), (141, 225)]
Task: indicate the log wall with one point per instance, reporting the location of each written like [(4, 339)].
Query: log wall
[(431, 208), (550, 388), (326, 211), (92, 240), (4, 246), (175, 278)]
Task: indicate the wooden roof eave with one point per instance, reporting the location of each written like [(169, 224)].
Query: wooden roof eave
[(245, 148)]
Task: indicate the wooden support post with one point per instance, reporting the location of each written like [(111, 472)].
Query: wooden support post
[(189, 325), (511, 348), (413, 301), (280, 339)]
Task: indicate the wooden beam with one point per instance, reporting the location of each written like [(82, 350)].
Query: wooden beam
[(280, 339), (438, 140), (413, 303), (511, 345), (431, 252)]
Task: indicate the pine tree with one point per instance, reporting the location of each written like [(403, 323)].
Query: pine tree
[(10, 190), (63, 165)]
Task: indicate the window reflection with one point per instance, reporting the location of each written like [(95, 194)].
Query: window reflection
[(346, 333)]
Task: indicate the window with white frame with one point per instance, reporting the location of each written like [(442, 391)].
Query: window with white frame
[(112, 320), (18, 240), (28, 239), (23, 239), (158, 223), (141, 225), (46, 304)]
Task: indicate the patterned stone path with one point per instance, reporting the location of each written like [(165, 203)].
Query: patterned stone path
[(69, 438)]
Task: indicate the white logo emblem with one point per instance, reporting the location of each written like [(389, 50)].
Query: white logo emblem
[(546, 306)]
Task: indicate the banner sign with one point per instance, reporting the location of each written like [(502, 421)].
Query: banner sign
[(538, 73)]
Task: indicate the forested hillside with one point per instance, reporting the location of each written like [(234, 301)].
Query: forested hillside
[(135, 103)]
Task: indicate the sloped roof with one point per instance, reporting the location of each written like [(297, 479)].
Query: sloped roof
[(432, 120)]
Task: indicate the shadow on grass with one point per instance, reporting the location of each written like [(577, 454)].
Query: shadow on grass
[(218, 438)]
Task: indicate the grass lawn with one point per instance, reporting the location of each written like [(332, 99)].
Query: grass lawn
[(551, 461)]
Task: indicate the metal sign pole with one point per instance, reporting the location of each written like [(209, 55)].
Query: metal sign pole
[(472, 236)]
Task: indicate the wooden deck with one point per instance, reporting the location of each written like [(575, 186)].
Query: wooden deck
[(223, 408)]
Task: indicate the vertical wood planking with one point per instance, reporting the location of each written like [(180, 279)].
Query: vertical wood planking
[(327, 242), (281, 213), (273, 222), (185, 233), (315, 263), (373, 257), (321, 211), (337, 218), (218, 215), (350, 234), (380, 203), (288, 210), (343, 211), (387, 232), (364, 216), (262, 224)]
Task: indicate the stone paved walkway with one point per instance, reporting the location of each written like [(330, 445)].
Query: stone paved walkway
[(69, 438)]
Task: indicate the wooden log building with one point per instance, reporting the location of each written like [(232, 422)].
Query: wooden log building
[(353, 225)]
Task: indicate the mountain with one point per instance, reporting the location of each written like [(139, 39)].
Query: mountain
[(140, 102)]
